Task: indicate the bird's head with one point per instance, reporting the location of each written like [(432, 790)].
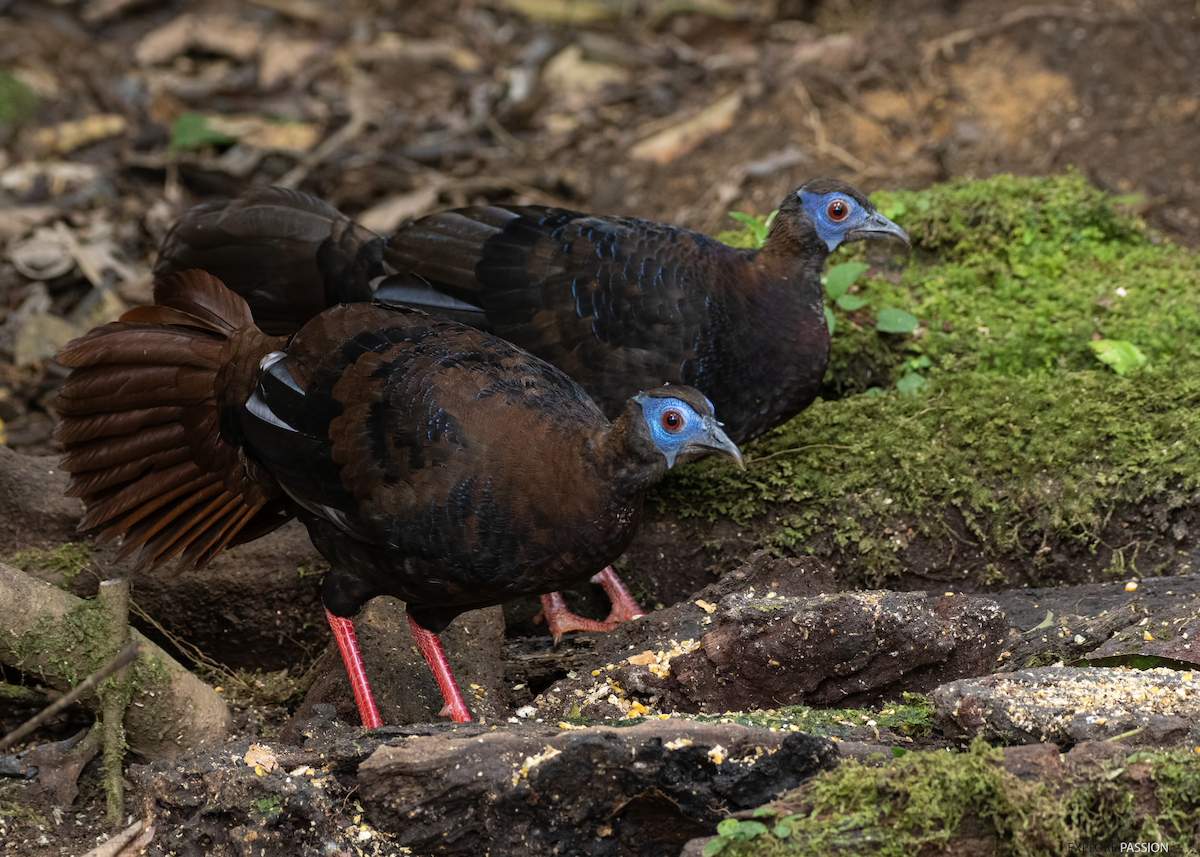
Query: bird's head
[(839, 212), (682, 426)]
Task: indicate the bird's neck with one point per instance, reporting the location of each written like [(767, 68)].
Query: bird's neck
[(625, 458), (793, 256)]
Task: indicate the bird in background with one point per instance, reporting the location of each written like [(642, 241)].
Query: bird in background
[(428, 460), (618, 303)]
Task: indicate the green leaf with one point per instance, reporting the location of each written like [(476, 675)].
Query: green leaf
[(1045, 623), (897, 752), (16, 99), (850, 302), (1122, 356), (740, 831), (781, 831), (191, 131), (910, 383), (892, 320), (841, 276), (829, 320), (753, 233), (713, 847)]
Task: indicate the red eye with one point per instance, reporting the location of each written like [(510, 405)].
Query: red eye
[(672, 421), (838, 209)]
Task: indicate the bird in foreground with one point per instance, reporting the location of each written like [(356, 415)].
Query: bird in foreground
[(429, 460), (619, 304)]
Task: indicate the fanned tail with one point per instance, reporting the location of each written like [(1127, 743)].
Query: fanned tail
[(149, 425)]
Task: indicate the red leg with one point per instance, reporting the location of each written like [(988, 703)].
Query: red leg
[(624, 607), (560, 619), (431, 648), (343, 632)]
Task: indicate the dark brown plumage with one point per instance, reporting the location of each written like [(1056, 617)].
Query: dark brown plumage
[(619, 304), (428, 460)]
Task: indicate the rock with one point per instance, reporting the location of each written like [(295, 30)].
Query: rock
[(1173, 633), (467, 789), (846, 648), (33, 510), (302, 806), (401, 681), (767, 638), (646, 789), (1070, 705)]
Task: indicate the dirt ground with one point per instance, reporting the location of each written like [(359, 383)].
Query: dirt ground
[(117, 115)]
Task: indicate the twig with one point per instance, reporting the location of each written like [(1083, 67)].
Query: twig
[(818, 128), (357, 98), (130, 841), (85, 687), (113, 599), (946, 45), (799, 449), (82, 259)]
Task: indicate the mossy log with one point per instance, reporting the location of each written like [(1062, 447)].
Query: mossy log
[(62, 639)]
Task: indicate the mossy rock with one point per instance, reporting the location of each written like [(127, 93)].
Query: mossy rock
[(968, 803), (1023, 458)]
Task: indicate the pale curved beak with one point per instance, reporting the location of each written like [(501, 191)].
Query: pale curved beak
[(716, 442), (878, 226)]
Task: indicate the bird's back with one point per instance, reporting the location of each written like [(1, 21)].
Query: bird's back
[(444, 465), (622, 304)]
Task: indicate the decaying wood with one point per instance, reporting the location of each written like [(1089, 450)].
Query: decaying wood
[(123, 659), (113, 598), (54, 634)]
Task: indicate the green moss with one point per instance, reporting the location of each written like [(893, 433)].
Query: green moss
[(922, 801), (1017, 275), (911, 718), (1019, 456), (67, 561), (13, 807), (268, 805)]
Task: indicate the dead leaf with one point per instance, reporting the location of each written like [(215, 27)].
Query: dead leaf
[(575, 79), (42, 256), (258, 132), (283, 136), (563, 11), (258, 756), (59, 176), (645, 658), (127, 843), (386, 216), (40, 336), (391, 46), (219, 34), (15, 222), (680, 139), (284, 58)]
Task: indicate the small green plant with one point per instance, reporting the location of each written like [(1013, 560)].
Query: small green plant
[(1121, 356), (731, 831), (193, 131), (16, 99)]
